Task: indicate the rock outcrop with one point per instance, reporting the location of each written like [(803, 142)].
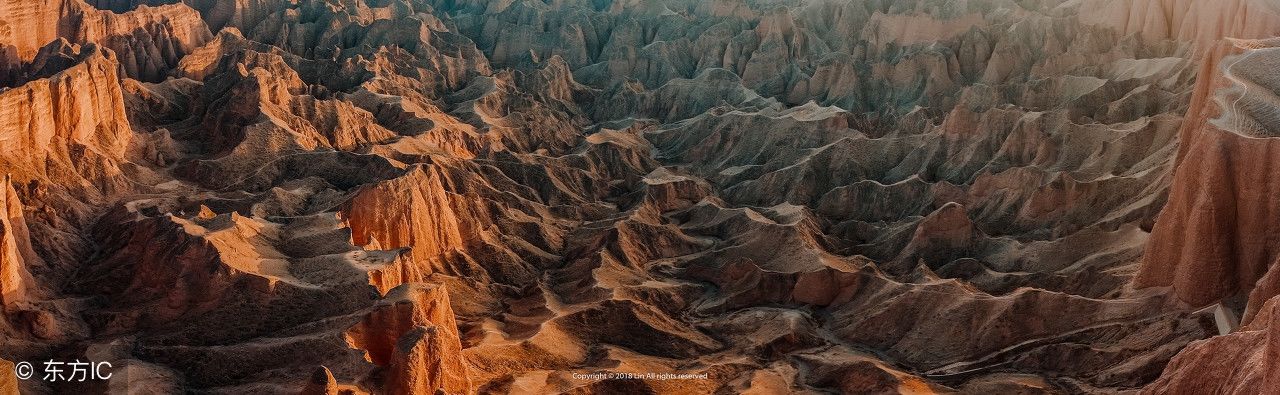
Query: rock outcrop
[(412, 334), (1212, 242), (81, 105), (149, 41), (320, 383), (1243, 362), (8, 379), (16, 253), (66, 138)]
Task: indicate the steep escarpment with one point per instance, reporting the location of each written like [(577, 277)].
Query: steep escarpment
[(1212, 244), (18, 254), (148, 41), (413, 334), (419, 196), (67, 138), (1200, 23), (66, 141)]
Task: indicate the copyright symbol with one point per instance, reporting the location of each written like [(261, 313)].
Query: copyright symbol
[(23, 370)]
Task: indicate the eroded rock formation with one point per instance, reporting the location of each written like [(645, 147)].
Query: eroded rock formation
[(419, 196), (1213, 243), (149, 40), (17, 254)]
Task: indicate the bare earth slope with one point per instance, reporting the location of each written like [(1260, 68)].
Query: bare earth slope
[(796, 196)]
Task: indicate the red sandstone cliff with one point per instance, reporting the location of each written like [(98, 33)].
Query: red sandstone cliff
[(149, 41), (1216, 239), (1213, 239), (412, 334), (16, 254), (81, 105)]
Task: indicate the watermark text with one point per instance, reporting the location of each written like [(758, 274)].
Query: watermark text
[(55, 371)]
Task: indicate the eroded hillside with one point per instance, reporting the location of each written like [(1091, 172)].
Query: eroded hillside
[(815, 196)]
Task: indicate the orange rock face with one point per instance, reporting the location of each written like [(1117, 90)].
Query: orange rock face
[(413, 211), (82, 105), (8, 380), (412, 334), (149, 41), (17, 254)]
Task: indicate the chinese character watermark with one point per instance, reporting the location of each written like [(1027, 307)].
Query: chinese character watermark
[(54, 371)]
